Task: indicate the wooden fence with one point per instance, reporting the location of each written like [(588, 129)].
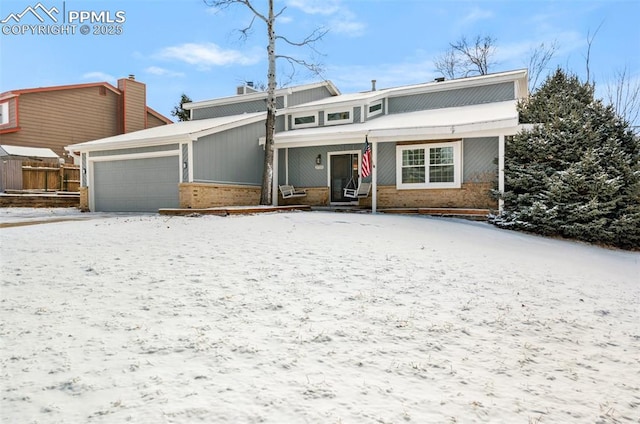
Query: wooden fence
[(50, 176)]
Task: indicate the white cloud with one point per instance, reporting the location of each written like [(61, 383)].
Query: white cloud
[(206, 55), (156, 70), (347, 24), (316, 7), (475, 15), (99, 76)]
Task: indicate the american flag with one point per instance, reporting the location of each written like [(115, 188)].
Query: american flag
[(366, 158)]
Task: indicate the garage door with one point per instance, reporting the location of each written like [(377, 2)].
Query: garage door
[(137, 185)]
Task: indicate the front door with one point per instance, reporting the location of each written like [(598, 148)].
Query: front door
[(344, 172)]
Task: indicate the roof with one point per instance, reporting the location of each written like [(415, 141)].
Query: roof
[(167, 134), (260, 95), (34, 152), (424, 124), (159, 115), (14, 93), (369, 96)]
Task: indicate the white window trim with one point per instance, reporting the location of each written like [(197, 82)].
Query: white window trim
[(457, 166), (5, 113), (376, 112), (338, 121), (302, 115)]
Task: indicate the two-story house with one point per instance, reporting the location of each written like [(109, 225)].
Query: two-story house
[(54, 117), (437, 144)]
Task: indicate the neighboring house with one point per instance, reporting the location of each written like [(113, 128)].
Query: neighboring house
[(437, 144), (54, 117)]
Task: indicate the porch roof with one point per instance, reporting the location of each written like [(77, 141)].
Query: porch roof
[(484, 119)]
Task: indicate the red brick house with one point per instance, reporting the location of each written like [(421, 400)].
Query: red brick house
[(54, 117)]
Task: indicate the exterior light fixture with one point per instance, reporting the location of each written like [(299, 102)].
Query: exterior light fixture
[(319, 160)]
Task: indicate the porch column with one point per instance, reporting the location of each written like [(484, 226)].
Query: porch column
[(274, 188), (374, 177), (500, 172)]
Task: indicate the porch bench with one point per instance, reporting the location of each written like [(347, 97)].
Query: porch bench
[(289, 191)]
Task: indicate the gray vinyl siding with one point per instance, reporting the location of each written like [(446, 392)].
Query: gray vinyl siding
[(83, 178), (302, 161), (149, 149), (279, 123), (321, 118), (307, 96), (232, 156), (452, 98), (259, 105), (386, 166), (480, 159), (185, 162), (282, 176), (357, 114)]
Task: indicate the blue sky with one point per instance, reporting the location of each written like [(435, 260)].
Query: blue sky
[(185, 46)]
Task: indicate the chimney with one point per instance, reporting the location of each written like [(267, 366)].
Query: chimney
[(373, 85), (132, 109)]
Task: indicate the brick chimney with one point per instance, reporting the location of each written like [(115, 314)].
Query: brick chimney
[(133, 104)]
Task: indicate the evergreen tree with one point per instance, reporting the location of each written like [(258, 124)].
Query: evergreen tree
[(179, 111), (576, 173)]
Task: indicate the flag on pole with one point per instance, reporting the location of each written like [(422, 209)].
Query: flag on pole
[(366, 158)]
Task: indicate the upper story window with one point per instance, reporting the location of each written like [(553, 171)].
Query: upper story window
[(375, 109), (338, 117), (4, 113), (306, 120), (435, 165)]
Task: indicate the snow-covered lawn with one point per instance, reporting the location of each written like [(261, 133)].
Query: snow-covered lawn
[(313, 317)]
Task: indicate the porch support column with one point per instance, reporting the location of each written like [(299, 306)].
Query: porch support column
[(501, 172), (374, 177), (274, 183)]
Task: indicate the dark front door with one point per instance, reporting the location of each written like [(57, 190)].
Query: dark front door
[(344, 172)]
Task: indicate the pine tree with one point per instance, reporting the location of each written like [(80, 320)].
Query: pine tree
[(576, 173)]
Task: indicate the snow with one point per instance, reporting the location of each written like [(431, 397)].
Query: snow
[(311, 317)]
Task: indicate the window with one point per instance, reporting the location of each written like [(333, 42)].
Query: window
[(436, 165), (4, 113), (334, 117), (302, 121), (375, 109)]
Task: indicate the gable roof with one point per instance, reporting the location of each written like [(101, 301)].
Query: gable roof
[(260, 95), (14, 93), (451, 122), (31, 152), (168, 134), (518, 76)]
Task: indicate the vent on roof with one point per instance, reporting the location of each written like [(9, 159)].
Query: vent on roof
[(373, 85), (439, 79)]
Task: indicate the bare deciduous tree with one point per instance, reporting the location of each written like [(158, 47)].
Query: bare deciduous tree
[(269, 18), (623, 93), (587, 57), (464, 58), (539, 58)]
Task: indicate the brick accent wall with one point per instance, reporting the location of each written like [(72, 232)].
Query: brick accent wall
[(316, 196), (471, 195), (200, 195), (84, 199)]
